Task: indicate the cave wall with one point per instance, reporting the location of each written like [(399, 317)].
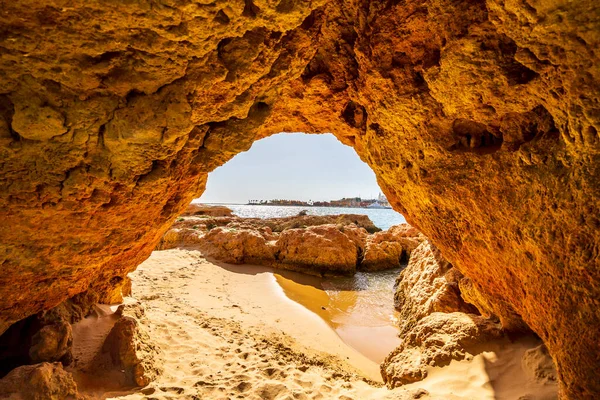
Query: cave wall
[(479, 118)]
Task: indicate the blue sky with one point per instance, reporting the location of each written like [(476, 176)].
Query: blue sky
[(292, 166)]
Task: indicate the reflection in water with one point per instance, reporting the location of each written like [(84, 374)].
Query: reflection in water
[(359, 308)]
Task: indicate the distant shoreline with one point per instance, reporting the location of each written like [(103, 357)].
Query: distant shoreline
[(293, 205), (313, 206)]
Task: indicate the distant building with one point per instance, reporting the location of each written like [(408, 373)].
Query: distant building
[(383, 200), (375, 204)]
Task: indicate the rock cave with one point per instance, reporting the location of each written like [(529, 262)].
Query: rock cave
[(479, 118)]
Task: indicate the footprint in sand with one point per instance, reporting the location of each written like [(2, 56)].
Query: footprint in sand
[(271, 391), (243, 387)]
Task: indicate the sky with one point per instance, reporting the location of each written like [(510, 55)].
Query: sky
[(292, 166)]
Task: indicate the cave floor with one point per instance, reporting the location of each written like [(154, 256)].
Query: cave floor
[(229, 332)]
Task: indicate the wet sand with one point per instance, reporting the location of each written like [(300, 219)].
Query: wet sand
[(357, 308)]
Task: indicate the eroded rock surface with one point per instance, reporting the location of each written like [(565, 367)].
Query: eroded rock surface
[(322, 248), (52, 343), (480, 120), (237, 246), (130, 347), (428, 284), (213, 211), (434, 341), (390, 248), (43, 381), (436, 324), (309, 244)]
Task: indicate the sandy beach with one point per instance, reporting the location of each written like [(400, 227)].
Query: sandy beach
[(228, 331)]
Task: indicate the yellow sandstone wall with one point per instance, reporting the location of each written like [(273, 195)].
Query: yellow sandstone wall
[(480, 120)]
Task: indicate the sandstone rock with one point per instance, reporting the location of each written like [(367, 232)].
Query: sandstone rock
[(52, 343), (263, 230), (46, 336), (179, 237), (206, 222), (322, 249), (388, 249), (252, 240), (130, 347), (202, 209), (478, 118), (43, 381), (488, 307), (434, 341), (237, 246), (73, 309), (357, 234), (118, 289), (428, 284), (303, 221), (38, 122)]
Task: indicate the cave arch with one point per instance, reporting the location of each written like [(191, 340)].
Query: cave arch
[(482, 132)]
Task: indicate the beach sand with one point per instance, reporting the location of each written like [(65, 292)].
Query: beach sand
[(229, 331)]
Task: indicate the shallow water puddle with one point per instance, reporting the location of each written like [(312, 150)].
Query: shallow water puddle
[(359, 308)]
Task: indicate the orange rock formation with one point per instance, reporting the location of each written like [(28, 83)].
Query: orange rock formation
[(316, 245), (480, 120)]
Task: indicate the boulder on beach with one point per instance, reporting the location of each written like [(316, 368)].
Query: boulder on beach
[(434, 341), (388, 249), (44, 381), (52, 343), (322, 249), (130, 347), (238, 246)]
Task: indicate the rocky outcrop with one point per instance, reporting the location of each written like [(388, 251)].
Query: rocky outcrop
[(179, 237), (130, 347), (238, 246), (479, 119), (309, 244), (44, 337), (43, 381), (434, 341), (389, 249), (322, 249), (436, 324), (212, 211), (287, 243), (304, 221), (186, 230), (428, 284)]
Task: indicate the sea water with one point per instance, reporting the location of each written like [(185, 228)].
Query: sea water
[(383, 218), (359, 308)]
